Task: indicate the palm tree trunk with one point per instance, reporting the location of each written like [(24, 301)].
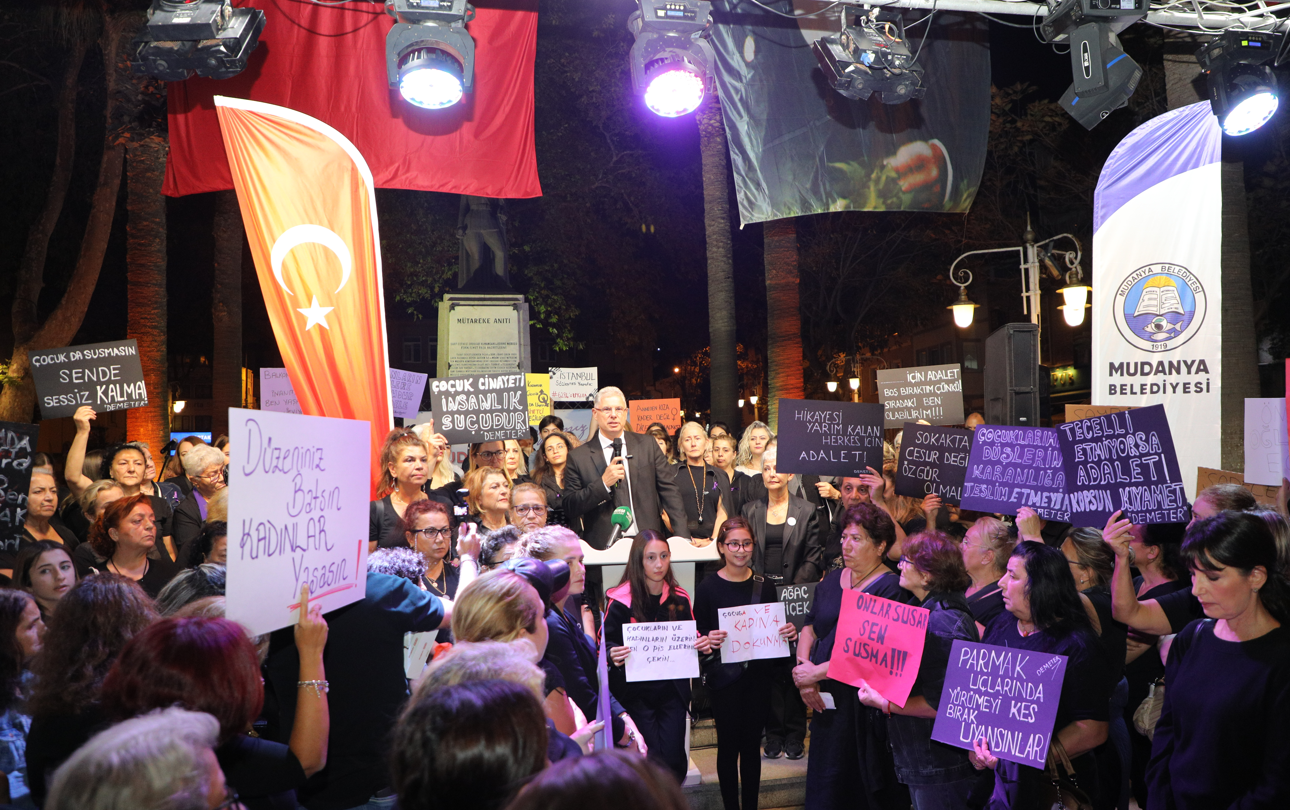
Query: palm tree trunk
[(783, 317), (226, 310), (145, 255), (723, 372), (1239, 377), (18, 400)]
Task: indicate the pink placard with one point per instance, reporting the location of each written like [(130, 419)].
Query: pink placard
[(881, 642)]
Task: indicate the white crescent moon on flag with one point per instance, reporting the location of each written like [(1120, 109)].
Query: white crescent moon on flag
[(303, 234)]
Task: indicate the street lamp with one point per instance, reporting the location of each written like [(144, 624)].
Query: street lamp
[(963, 309), (832, 385), (179, 405), (741, 403), (1075, 294), (854, 382)]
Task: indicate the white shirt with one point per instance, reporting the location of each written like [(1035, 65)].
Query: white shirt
[(607, 445)]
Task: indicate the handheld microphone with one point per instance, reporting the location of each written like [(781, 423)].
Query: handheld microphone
[(617, 446), (622, 521)]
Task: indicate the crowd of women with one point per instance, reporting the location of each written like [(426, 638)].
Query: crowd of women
[(468, 676)]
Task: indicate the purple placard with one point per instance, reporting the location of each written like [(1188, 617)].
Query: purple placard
[(1123, 461), (1012, 467), (829, 438), (1003, 695)]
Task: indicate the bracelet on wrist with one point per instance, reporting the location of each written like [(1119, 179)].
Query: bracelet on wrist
[(319, 688)]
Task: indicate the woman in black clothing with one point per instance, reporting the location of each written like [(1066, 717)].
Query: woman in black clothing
[(724, 451), (405, 467), (210, 665), (552, 455), (1045, 614), (704, 488), (851, 763), (1223, 739), (740, 693), (986, 548), (1157, 549), (648, 592), (124, 536), (45, 570)]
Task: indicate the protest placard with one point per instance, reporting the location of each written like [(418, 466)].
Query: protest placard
[(417, 649), (797, 601), (276, 393), (1012, 467), (105, 376), (1003, 695), (752, 632), (933, 461), (1267, 451), (297, 514), (661, 651), (17, 446), (933, 394), (1075, 412), (879, 641), (576, 421), (539, 388), (1209, 477), (645, 412), (481, 407), (829, 438), (1123, 461), (406, 390), (574, 384)]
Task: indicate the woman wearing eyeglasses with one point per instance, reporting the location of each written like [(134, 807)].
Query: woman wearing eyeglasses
[(405, 466), (427, 528), (205, 468), (740, 693)]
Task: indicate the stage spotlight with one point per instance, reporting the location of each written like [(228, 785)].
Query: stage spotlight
[(429, 55), (1066, 16), (1104, 75), (1242, 88), (871, 56), (671, 59), (206, 37)]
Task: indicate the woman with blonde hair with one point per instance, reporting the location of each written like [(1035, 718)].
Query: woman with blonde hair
[(405, 467), (704, 489), (488, 497), (443, 474), (757, 437)]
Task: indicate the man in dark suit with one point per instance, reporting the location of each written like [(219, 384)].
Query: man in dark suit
[(615, 468)]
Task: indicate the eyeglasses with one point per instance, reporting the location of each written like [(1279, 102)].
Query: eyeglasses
[(612, 411), (445, 532), (230, 799), (490, 454), (738, 546), (211, 477), (530, 509)]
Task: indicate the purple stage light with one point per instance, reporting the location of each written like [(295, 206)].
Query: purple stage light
[(674, 90)]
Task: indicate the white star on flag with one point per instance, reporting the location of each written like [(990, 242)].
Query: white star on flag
[(315, 315)]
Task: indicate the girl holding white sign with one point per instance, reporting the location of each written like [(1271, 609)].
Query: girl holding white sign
[(648, 592), (740, 692)]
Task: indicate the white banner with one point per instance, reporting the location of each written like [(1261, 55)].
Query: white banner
[(297, 514), (573, 384), (1157, 305)]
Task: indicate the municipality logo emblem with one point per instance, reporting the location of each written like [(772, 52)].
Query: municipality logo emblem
[(1159, 307)]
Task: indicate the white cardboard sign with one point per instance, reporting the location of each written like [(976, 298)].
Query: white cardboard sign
[(1267, 454), (573, 384), (752, 632), (297, 513), (406, 388), (276, 393), (661, 651)]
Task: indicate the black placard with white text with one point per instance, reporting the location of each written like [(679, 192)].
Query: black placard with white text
[(480, 407), (933, 461), (17, 446), (797, 601), (105, 376), (829, 438)]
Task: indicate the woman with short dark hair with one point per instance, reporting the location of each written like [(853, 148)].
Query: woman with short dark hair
[(938, 775), (124, 536), (1222, 738), (851, 760), (1045, 615), (469, 747)]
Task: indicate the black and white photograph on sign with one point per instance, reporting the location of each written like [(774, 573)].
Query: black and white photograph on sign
[(932, 394), (829, 438), (105, 376), (933, 461), (17, 447), (481, 407)]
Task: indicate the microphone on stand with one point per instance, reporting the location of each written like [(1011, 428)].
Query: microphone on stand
[(622, 521)]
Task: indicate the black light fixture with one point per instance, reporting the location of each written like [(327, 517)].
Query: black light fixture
[(429, 55), (871, 56), (1103, 76), (671, 59), (1242, 87), (206, 37)]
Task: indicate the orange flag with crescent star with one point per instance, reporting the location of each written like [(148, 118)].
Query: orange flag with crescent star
[(309, 205)]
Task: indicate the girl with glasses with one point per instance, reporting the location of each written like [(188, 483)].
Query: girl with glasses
[(740, 693)]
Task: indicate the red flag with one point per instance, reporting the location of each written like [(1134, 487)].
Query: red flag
[(309, 205), (328, 61)]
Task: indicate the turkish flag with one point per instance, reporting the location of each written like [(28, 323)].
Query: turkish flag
[(309, 205), (328, 60)]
